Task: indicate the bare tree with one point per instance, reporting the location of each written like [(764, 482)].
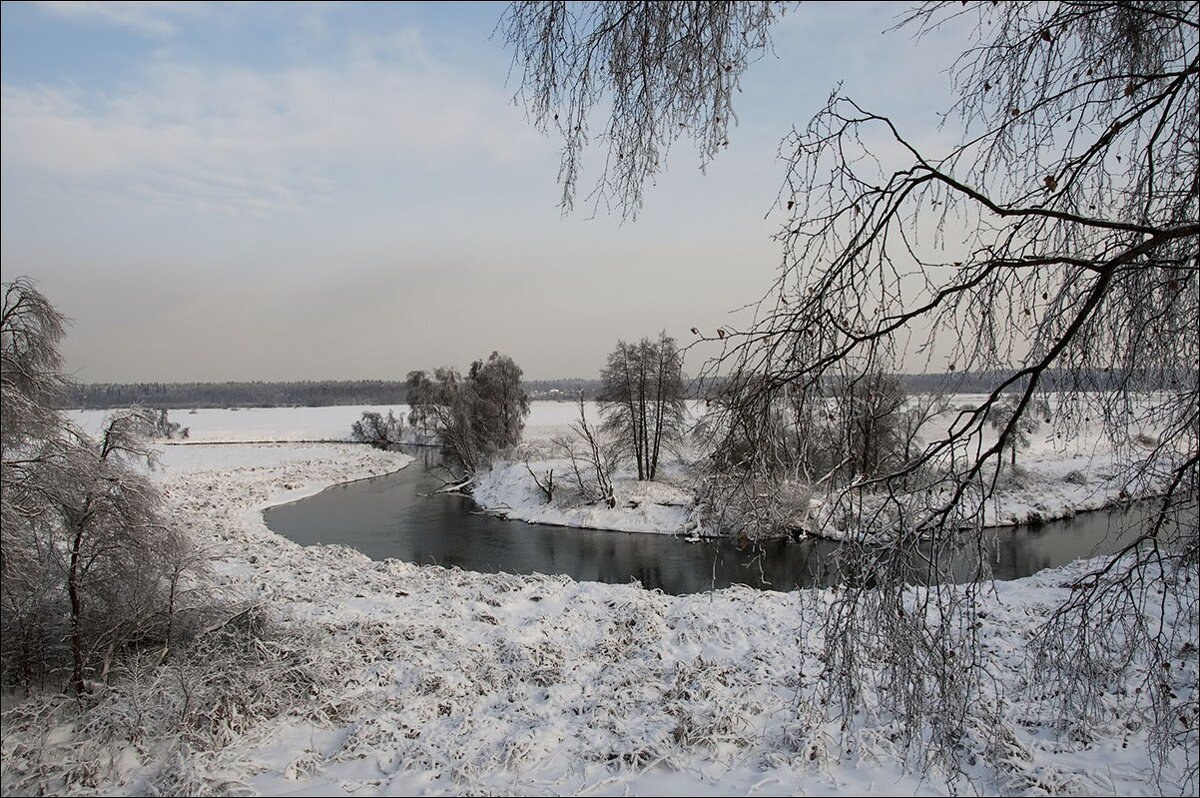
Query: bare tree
[(31, 379), (89, 554), (1020, 431), (868, 409), (31, 385), (667, 69), (116, 537), (1057, 245), (642, 400), (545, 482), (593, 467)]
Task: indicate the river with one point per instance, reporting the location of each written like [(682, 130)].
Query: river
[(396, 516)]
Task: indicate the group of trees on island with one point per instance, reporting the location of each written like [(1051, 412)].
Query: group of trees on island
[(866, 425), (476, 416), (472, 416)]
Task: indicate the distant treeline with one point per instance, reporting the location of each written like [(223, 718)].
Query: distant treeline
[(324, 393), (1052, 380)]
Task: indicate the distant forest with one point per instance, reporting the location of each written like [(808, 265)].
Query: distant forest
[(322, 393), (325, 393)]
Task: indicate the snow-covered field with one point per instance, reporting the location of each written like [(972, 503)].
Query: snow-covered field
[(427, 680), (255, 423)]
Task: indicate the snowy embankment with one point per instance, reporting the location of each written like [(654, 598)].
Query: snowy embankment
[(427, 680), (509, 490), (1056, 478), (1054, 484)]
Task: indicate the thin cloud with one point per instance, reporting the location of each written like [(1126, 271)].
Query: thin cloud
[(260, 140), (151, 19)]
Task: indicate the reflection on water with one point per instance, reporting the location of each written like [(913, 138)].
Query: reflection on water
[(394, 516)]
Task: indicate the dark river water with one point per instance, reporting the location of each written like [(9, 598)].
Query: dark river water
[(394, 516)]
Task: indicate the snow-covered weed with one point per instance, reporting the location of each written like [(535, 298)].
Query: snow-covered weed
[(235, 674)]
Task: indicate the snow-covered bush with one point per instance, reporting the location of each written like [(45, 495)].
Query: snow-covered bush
[(165, 428), (378, 430), (754, 508), (474, 417), (237, 669)]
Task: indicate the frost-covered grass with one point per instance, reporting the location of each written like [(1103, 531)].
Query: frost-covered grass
[(427, 680)]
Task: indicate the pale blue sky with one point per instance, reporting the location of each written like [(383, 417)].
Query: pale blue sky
[(242, 191)]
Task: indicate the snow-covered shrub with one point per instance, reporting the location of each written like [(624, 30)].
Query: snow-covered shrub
[(755, 508), (1076, 477), (378, 430), (165, 428), (237, 669)]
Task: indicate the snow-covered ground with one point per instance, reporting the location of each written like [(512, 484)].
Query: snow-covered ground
[(508, 489), (278, 424), (429, 680)]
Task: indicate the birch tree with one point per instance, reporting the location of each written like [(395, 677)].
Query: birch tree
[(642, 400)]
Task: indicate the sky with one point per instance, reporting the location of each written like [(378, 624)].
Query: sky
[(342, 191)]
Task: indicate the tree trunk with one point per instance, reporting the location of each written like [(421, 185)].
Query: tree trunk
[(643, 438), (659, 408), (634, 433), (76, 608)]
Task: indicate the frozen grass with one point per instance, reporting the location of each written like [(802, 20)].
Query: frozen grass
[(406, 679)]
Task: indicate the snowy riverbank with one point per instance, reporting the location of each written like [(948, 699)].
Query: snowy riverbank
[(1057, 477), (429, 680)]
